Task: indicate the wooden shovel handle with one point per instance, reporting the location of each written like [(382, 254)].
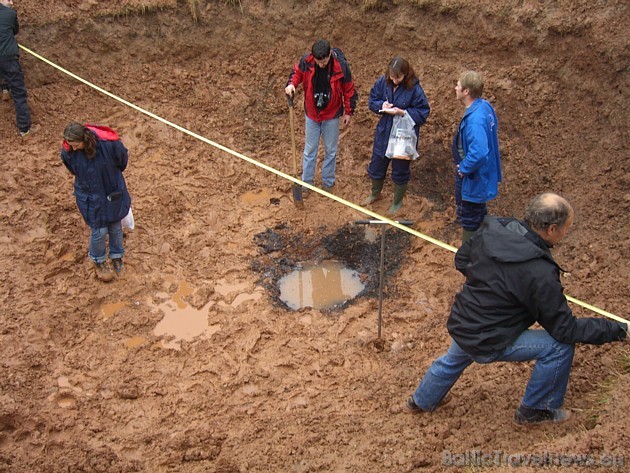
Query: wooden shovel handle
[(292, 121)]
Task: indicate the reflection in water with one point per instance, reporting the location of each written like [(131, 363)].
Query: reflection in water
[(320, 286)]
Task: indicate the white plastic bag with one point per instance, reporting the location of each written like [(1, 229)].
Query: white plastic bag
[(403, 141), (128, 221)]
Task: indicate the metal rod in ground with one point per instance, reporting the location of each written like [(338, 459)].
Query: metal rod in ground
[(382, 265), (380, 283)]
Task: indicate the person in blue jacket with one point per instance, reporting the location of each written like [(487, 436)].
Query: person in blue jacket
[(97, 158), (475, 154), (398, 92)]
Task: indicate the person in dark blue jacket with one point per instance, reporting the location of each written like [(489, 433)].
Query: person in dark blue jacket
[(97, 158), (11, 74), (398, 92), (512, 283), (475, 155)]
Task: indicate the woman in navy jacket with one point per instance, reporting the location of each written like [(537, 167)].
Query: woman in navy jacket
[(395, 93), (97, 158)]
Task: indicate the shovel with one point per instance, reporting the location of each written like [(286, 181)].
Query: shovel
[(297, 189)]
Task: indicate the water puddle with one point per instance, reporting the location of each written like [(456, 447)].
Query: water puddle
[(181, 321), (108, 310), (321, 286), (135, 342), (255, 197)]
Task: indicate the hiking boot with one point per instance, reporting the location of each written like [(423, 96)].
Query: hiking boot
[(527, 416), (328, 188), (412, 408), (6, 95), (103, 272), (24, 133), (118, 265)]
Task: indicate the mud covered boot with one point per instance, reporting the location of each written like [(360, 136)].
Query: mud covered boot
[(399, 193), (377, 187), (528, 416), (103, 272), (118, 265)]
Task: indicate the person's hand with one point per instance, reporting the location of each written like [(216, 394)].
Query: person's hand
[(346, 120), (290, 90), (458, 172), (387, 105)]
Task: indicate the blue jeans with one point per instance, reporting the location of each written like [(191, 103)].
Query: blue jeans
[(329, 131), (546, 387), (97, 242)]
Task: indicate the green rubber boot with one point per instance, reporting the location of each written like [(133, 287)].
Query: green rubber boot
[(377, 187), (399, 193), (466, 235)]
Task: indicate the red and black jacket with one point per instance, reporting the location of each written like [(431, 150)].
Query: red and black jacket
[(343, 95)]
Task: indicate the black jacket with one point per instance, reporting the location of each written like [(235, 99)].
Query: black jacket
[(9, 27), (512, 281)]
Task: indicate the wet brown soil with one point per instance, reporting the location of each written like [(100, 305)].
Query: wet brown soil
[(87, 383)]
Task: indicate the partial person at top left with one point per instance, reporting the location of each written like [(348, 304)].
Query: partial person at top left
[(11, 74)]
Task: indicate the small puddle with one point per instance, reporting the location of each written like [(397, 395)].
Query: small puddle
[(135, 342), (181, 321), (321, 286), (108, 310), (183, 290), (255, 197)]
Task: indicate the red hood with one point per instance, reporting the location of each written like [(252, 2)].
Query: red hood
[(102, 133)]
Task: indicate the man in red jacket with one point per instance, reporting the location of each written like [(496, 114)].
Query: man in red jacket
[(329, 96)]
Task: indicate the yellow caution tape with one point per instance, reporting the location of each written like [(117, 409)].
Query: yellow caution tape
[(288, 177)]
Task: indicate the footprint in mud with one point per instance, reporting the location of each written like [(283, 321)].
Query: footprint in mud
[(66, 400)]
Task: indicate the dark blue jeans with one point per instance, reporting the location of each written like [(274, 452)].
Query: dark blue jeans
[(469, 214), (13, 78), (547, 384)]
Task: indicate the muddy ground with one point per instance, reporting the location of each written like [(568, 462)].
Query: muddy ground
[(92, 379)]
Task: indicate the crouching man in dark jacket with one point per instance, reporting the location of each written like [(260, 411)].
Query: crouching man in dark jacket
[(512, 282)]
